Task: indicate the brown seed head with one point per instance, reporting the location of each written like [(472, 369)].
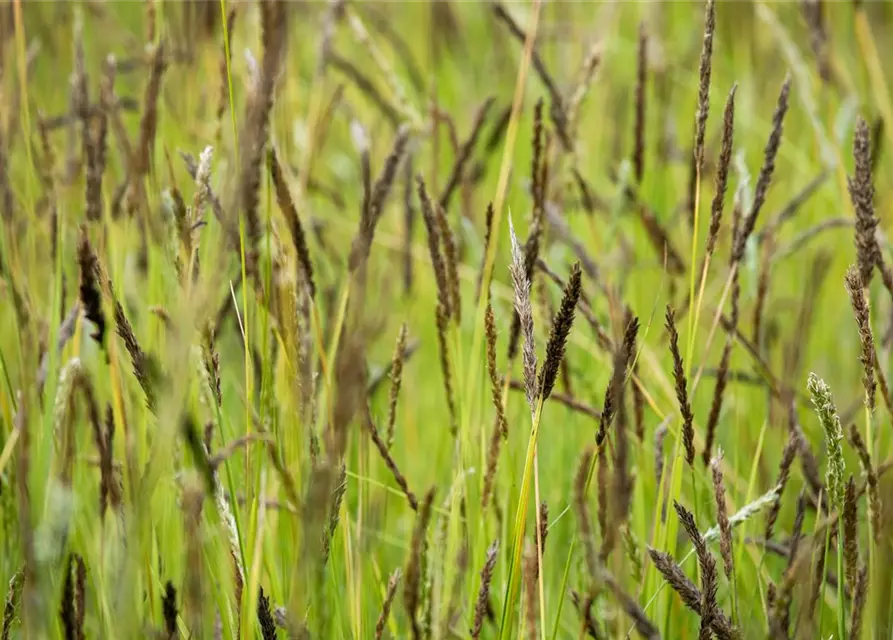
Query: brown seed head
[(500, 424), (722, 170), (483, 599), (396, 380), (463, 155), (874, 500), (784, 470), (722, 517), (681, 388), (704, 70), (434, 241), (290, 212), (766, 171), (265, 617), (393, 581), (850, 534), (860, 595), (622, 357), (867, 357), (90, 286), (169, 608), (412, 585), (861, 190), (561, 328)]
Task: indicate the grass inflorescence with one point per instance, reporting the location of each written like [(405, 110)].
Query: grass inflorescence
[(414, 321)]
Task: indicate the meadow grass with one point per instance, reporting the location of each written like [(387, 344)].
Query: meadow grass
[(411, 320)]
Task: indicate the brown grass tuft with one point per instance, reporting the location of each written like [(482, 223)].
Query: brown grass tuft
[(265, 617), (169, 609), (603, 487), (390, 463), (488, 234), (622, 356), (211, 359), (95, 142), (860, 595), (396, 379), (689, 592), (722, 518), (874, 500), (375, 197), (688, 433), (722, 170), (561, 328), (780, 609), (67, 607), (584, 610), (483, 598), (393, 581), (631, 608), (434, 241), (722, 375), (765, 273), (253, 135), (223, 94), (818, 579), (709, 608), (705, 67), (335, 510), (412, 586), (784, 470), (149, 118), (868, 356), (556, 111), (463, 155), (446, 365), (90, 283), (451, 255), (409, 217), (145, 368), (295, 228), (500, 424), (850, 534), (818, 39), (766, 171), (861, 190), (623, 481)]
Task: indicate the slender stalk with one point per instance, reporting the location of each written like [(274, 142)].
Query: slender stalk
[(518, 534), (841, 602), (872, 553), (539, 541)]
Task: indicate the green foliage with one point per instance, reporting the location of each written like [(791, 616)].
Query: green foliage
[(211, 234)]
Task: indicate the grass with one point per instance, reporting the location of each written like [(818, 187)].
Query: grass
[(207, 428)]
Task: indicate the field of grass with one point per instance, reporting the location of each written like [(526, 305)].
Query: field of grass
[(446, 319)]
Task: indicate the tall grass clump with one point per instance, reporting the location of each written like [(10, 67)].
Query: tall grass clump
[(445, 320)]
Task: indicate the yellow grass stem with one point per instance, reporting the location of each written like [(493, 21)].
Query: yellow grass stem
[(519, 526)]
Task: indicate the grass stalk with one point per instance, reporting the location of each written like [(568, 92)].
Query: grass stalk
[(514, 575)]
